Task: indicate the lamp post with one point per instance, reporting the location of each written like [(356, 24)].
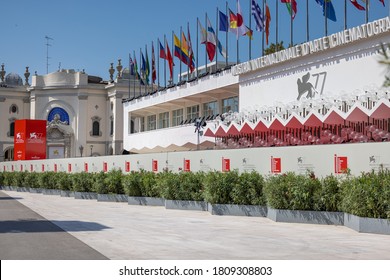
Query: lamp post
[(81, 148), (199, 125), (91, 149)]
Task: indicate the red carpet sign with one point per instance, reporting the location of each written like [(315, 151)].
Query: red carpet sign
[(30, 139)]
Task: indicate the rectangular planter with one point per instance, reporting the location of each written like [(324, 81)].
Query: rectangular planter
[(146, 201), (186, 205), (367, 225), (22, 189), (85, 195), (237, 210), (67, 193), (51, 192), (306, 217), (9, 188), (35, 190), (112, 197)]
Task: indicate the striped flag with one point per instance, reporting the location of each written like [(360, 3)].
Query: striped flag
[(154, 72), (357, 5), (291, 6), (258, 15)]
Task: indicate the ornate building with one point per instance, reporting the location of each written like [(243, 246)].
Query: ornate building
[(84, 113)]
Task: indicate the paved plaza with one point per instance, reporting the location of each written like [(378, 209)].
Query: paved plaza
[(86, 229)]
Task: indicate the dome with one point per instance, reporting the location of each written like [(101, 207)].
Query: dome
[(126, 74), (13, 79)]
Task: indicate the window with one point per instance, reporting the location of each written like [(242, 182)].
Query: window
[(177, 117), (13, 109), (163, 120), (152, 122), (230, 104), (12, 129), (210, 109), (193, 112), (111, 126), (142, 124), (95, 128)]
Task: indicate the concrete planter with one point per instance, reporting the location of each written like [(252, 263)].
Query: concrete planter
[(367, 225), (9, 188), (112, 197), (186, 205), (35, 190), (67, 193), (306, 217), (22, 189), (146, 201), (85, 195), (237, 210), (51, 192)]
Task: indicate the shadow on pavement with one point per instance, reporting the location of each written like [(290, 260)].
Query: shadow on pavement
[(31, 225)]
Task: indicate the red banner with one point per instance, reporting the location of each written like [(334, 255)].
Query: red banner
[(127, 166), (86, 167), (225, 164), (30, 139), (69, 167), (55, 167), (155, 165), (105, 167), (340, 164), (276, 165), (187, 165)]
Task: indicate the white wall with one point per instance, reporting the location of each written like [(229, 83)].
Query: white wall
[(320, 159)]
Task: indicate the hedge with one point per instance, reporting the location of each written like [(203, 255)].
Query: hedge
[(367, 195)]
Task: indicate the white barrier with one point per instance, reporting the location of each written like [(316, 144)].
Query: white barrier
[(322, 160)]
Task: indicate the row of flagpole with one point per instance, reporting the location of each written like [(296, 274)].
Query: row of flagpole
[(229, 22)]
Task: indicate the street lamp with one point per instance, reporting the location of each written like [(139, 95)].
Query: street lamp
[(81, 148), (199, 125), (91, 149)]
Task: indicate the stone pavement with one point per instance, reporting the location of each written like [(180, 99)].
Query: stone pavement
[(126, 232)]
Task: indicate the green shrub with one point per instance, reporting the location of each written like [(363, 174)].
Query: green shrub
[(99, 183), (291, 191), (218, 186), (131, 184), (182, 186), (1, 178), (367, 195), (328, 197), (149, 186), (82, 182), (249, 189), (18, 178), (7, 178), (47, 180), (113, 182), (63, 181), (30, 180)]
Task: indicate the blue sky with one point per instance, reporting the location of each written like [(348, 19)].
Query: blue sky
[(91, 34)]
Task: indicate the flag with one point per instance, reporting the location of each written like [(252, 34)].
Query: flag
[(169, 58), (249, 32), (208, 40), (143, 67), (267, 21), (383, 2), (241, 28), (190, 51), (181, 49), (233, 20), (162, 51), (211, 37), (147, 67), (330, 12), (177, 51), (223, 22), (291, 6), (185, 46), (131, 66), (357, 5), (137, 75), (154, 72), (258, 15)]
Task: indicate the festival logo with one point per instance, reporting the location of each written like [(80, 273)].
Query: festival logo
[(276, 165), (340, 164), (225, 164), (305, 85)]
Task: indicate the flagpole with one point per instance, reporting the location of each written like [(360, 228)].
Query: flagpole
[(250, 27), (135, 73), (262, 35), (326, 17), (237, 37), (158, 65), (146, 74), (197, 47), (129, 74), (180, 58), (345, 14), (206, 42), (217, 45), (227, 31), (307, 21), (173, 49), (140, 78), (366, 11), (189, 61), (291, 25), (165, 63), (276, 26)]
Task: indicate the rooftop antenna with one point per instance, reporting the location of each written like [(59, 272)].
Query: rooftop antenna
[(47, 52)]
